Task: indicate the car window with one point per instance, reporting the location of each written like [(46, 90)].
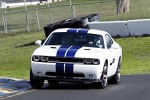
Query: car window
[(76, 39), (109, 41)]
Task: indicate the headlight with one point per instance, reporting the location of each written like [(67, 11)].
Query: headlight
[(39, 58), (88, 61), (43, 58), (91, 61), (96, 61), (36, 58)]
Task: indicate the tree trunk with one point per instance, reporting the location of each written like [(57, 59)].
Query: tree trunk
[(122, 6)]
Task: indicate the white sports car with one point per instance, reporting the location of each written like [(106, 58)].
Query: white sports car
[(76, 55)]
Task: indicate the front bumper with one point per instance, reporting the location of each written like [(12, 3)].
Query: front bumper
[(66, 79), (81, 72)]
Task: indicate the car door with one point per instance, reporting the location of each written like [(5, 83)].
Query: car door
[(112, 56)]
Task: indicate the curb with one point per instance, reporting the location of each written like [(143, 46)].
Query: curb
[(11, 86)]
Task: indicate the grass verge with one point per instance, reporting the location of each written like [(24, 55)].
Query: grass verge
[(136, 55), (17, 22), (16, 50)]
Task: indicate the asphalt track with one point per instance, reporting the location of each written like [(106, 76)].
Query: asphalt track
[(131, 87)]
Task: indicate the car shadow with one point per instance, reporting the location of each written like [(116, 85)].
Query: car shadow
[(28, 44), (71, 86), (68, 86)]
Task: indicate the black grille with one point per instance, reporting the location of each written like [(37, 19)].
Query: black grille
[(65, 74), (56, 59)]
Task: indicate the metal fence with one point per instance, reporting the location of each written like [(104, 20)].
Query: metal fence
[(36, 18)]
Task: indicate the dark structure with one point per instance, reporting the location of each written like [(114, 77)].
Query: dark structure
[(81, 22)]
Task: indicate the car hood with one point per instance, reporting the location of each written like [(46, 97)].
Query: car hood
[(69, 51)]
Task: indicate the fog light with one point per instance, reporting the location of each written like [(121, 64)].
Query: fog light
[(90, 76)]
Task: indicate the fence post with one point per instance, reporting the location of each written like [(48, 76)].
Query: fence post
[(118, 2), (5, 20), (72, 10), (27, 21), (37, 17), (11, 25), (50, 17)]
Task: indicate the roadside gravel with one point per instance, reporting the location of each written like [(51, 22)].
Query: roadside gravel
[(11, 86)]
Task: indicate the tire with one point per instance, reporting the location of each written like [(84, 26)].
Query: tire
[(93, 17), (68, 20), (81, 23), (35, 83), (57, 25), (48, 29), (51, 27), (103, 79), (52, 82), (116, 78), (68, 23)]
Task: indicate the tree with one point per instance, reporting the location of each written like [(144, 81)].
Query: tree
[(122, 6)]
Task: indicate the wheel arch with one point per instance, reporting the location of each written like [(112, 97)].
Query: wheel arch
[(106, 61), (120, 60)]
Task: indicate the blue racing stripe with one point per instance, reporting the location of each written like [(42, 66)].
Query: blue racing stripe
[(72, 51), (59, 68), (62, 50), (72, 30), (69, 68), (84, 31)]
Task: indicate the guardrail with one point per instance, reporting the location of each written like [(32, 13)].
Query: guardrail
[(123, 28)]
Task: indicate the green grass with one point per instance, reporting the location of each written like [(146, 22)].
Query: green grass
[(136, 55), (16, 50), (139, 9)]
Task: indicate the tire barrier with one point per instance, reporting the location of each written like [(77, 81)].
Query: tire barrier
[(67, 23), (81, 22), (48, 29), (93, 17)]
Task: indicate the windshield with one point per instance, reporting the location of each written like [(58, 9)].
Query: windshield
[(76, 39)]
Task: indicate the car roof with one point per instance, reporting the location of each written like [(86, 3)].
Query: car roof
[(81, 30)]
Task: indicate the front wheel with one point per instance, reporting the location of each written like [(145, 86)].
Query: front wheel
[(103, 79), (35, 83), (116, 78)]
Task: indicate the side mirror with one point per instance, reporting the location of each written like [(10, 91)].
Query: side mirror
[(38, 43)]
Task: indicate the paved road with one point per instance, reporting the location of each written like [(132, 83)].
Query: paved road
[(131, 87)]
